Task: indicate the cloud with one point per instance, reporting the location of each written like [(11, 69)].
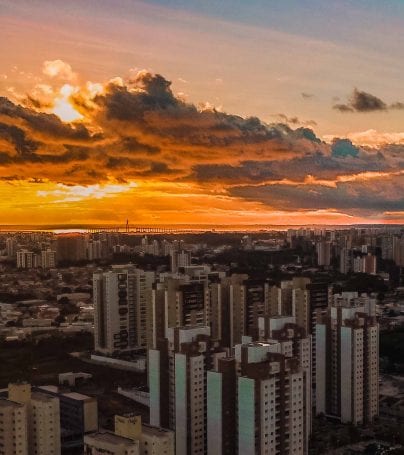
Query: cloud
[(74, 193), (139, 131), (294, 120), (343, 148), (357, 197), (372, 138), (361, 101), (58, 69)]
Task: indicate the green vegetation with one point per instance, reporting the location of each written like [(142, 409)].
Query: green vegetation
[(41, 357)]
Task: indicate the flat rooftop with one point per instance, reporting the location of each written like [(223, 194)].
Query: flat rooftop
[(155, 431), (110, 438), (4, 403), (77, 396), (42, 396)]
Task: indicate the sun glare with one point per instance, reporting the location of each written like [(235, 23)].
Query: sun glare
[(63, 108), (65, 111)]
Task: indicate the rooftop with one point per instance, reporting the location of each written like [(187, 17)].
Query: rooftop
[(77, 396), (155, 431), (4, 403), (110, 438)]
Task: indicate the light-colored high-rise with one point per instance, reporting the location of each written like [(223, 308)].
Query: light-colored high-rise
[(48, 259), (44, 425), (347, 355), (177, 382), (13, 428), (43, 418), (27, 259), (258, 401), (94, 250), (122, 301), (179, 258)]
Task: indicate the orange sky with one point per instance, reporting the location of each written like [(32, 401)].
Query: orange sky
[(80, 143)]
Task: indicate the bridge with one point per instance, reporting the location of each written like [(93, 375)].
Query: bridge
[(137, 230)]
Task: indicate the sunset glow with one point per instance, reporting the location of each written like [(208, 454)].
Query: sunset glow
[(114, 126)]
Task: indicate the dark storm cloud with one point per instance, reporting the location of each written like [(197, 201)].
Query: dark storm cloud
[(18, 139), (48, 125), (351, 197), (344, 159), (361, 101)]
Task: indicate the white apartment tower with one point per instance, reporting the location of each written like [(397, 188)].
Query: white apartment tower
[(13, 428), (122, 300), (179, 258), (347, 355), (177, 382), (27, 259), (44, 426), (257, 402), (42, 418), (48, 259)]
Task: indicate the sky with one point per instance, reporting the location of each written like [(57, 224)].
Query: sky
[(213, 112)]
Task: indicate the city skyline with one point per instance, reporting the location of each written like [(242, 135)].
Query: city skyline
[(172, 112)]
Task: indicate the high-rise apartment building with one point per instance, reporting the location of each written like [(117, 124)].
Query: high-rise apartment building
[(13, 428), (177, 382), (387, 247), (186, 303), (122, 301), (398, 251), (247, 303), (178, 259), (78, 416), (48, 259), (347, 356), (27, 259), (323, 253), (43, 418), (94, 250), (71, 247), (11, 247), (345, 260), (257, 401)]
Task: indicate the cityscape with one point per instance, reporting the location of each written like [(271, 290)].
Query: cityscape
[(277, 341), (201, 227)]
